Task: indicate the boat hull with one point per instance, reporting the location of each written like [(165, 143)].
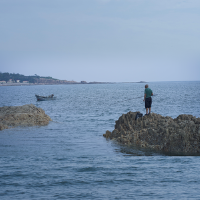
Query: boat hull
[(42, 98)]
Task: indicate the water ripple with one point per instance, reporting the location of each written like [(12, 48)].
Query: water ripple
[(69, 158)]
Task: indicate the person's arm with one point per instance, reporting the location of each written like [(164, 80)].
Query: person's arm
[(152, 94), (144, 97)]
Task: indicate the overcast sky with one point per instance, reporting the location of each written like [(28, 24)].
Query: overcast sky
[(101, 40)]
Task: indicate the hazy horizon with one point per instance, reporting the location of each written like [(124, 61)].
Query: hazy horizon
[(101, 40)]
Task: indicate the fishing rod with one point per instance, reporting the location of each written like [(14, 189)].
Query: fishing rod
[(138, 97)]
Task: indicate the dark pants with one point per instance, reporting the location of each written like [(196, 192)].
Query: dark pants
[(148, 102)]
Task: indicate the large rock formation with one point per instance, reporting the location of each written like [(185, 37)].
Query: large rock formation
[(27, 115), (179, 135)]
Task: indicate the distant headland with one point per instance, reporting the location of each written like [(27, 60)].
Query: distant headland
[(12, 79)]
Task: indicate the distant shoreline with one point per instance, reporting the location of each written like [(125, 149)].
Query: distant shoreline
[(75, 83), (32, 84)]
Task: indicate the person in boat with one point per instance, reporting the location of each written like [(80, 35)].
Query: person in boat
[(147, 98), (51, 96)]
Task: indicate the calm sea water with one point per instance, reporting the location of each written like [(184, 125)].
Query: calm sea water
[(70, 159)]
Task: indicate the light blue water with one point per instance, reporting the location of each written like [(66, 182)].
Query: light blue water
[(70, 159)]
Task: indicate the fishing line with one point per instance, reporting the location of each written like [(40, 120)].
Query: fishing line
[(137, 97)]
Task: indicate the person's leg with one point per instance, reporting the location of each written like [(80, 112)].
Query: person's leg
[(150, 102), (147, 105)]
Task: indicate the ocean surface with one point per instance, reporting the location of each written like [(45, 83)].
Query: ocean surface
[(70, 158)]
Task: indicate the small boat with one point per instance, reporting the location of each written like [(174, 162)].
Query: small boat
[(45, 98)]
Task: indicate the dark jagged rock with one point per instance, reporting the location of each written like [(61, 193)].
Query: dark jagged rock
[(179, 135), (27, 115)]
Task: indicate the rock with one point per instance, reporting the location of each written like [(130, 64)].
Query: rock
[(2, 126), (107, 134), (27, 115), (179, 135)]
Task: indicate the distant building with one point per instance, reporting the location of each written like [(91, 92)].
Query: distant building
[(83, 82), (2, 82), (25, 81), (10, 81), (18, 81)]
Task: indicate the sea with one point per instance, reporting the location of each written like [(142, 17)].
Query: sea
[(70, 158)]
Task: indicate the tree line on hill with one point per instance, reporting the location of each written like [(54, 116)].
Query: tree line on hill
[(31, 79)]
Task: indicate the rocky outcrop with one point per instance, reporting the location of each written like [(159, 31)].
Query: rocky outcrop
[(179, 135), (27, 115)]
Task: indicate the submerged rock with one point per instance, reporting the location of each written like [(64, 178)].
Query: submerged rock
[(179, 135), (27, 115)]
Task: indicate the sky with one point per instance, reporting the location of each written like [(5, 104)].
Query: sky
[(101, 40)]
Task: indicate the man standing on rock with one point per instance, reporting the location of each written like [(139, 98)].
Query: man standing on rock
[(147, 98)]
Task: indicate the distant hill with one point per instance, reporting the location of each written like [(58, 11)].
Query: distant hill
[(14, 78)]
